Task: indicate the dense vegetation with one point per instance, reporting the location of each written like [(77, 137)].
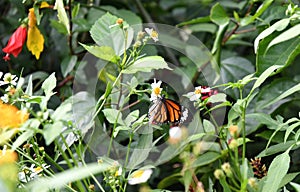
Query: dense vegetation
[(135, 95)]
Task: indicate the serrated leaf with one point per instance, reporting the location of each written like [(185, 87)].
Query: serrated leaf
[(62, 14), (286, 35), (274, 177), (147, 64), (104, 52)]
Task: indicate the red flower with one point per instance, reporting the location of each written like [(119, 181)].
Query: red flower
[(15, 43), (207, 92)]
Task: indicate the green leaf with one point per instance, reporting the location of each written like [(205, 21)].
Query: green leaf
[(284, 95), (75, 10), (104, 52), (233, 69), (105, 33), (68, 64), (113, 116), (247, 20), (141, 152), (277, 170), (169, 180), (132, 116), (62, 14), (25, 136), (147, 64), (52, 131), (206, 159), (270, 93), (218, 15), (195, 21), (59, 180), (264, 76), (29, 88), (58, 26), (49, 84), (278, 26), (288, 178), (281, 54), (286, 35), (277, 148)]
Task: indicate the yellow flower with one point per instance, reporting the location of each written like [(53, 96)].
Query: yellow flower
[(8, 156), (35, 39), (11, 116), (44, 4)]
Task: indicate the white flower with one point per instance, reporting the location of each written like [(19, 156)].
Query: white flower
[(156, 90), (31, 173), (152, 33), (195, 95), (5, 98), (9, 79), (175, 133), (206, 90), (118, 172), (139, 176), (184, 115)]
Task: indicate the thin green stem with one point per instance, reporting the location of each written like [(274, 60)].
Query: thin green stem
[(128, 148)]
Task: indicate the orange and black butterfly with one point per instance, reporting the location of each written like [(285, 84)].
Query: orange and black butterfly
[(166, 111)]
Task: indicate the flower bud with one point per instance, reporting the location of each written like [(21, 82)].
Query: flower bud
[(218, 173), (227, 169)]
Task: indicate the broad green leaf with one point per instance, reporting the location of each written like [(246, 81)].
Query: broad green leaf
[(206, 159), (296, 186), (288, 178), (286, 35), (278, 26), (63, 112), (49, 84), (282, 54), (52, 131), (62, 14), (277, 148), (264, 76), (147, 64), (141, 151), (218, 15), (113, 116), (104, 52), (232, 70), (249, 19), (269, 93), (208, 127), (105, 33), (169, 180), (62, 179), (284, 95), (68, 64), (276, 172), (131, 117), (58, 26), (203, 27)]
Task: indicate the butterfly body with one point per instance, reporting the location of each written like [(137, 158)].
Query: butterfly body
[(166, 111)]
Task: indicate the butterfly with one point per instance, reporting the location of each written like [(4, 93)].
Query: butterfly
[(167, 111)]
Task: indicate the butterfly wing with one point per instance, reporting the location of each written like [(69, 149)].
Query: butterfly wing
[(173, 110), (158, 113)]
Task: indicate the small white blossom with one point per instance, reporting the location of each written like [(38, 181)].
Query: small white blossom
[(152, 33), (195, 95), (175, 133), (31, 173), (184, 115), (156, 90), (139, 176), (9, 79)]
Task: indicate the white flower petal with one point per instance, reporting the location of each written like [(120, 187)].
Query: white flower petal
[(139, 176)]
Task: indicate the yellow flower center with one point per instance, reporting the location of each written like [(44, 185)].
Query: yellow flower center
[(156, 90), (154, 34), (197, 91), (138, 174), (38, 169)]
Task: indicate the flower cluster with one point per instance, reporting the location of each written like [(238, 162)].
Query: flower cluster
[(35, 40), (30, 173), (201, 93), (13, 86)]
